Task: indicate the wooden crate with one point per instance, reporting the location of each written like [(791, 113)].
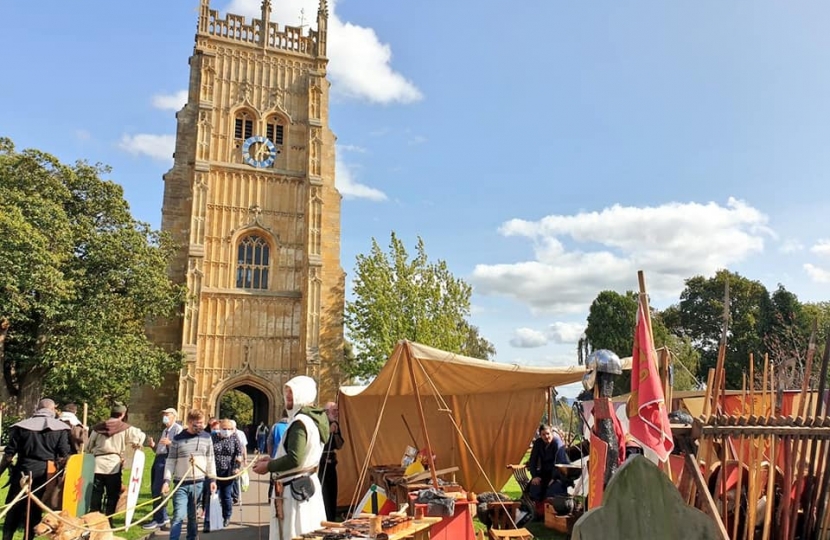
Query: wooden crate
[(562, 524)]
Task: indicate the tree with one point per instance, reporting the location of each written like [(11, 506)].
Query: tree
[(80, 279), (476, 346), (397, 298), (611, 320), (238, 406), (700, 318)]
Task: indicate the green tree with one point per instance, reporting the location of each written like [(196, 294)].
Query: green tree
[(476, 346), (611, 320), (80, 279), (700, 318), (396, 298), (238, 406)]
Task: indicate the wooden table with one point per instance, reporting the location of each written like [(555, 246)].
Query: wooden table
[(417, 530)]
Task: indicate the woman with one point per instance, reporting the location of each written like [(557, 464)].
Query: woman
[(227, 452)]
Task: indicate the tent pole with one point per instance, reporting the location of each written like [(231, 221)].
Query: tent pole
[(421, 415)]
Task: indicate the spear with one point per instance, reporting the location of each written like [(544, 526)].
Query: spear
[(819, 497), (801, 445)]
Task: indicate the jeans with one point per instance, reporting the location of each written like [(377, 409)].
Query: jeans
[(108, 485), (156, 481), (184, 505)]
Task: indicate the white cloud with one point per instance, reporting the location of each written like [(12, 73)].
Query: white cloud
[(170, 102), (159, 147), (791, 245), (528, 338), (82, 135), (359, 62), (350, 188), (670, 242), (562, 332), (351, 148), (819, 275), (822, 247)]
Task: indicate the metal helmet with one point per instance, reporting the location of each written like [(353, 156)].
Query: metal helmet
[(600, 361), (605, 361)]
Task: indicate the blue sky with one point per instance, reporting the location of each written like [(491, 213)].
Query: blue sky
[(546, 150)]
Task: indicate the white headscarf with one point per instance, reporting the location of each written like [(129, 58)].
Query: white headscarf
[(304, 390), (70, 418)]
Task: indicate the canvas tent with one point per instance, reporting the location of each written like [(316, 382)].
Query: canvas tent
[(496, 406)]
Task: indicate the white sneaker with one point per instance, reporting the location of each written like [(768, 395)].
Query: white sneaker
[(150, 526)]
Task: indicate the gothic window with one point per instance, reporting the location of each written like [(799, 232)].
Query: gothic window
[(252, 260), (243, 127), (275, 130)]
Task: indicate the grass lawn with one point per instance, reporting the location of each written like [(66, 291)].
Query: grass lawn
[(135, 531)]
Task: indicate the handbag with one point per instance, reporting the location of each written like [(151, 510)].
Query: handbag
[(214, 516), (244, 481), (302, 488)]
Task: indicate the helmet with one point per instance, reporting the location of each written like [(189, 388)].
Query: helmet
[(604, 361), (600, 361)]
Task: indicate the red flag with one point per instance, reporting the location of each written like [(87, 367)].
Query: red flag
[(648, 417)]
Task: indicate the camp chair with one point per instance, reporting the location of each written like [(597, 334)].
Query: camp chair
[(522, 476)]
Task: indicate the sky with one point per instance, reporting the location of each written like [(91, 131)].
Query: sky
[(545, 150)]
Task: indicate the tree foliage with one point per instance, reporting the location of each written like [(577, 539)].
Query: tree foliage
[(396, 298), (238, 406), (700, 318), (80, 279), (611, 320)]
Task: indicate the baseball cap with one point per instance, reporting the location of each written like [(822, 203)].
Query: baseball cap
[(170, 410)]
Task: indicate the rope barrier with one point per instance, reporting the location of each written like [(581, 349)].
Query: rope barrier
[(65, 521)]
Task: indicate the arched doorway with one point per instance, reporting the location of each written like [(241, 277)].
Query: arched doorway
[(249, 406)]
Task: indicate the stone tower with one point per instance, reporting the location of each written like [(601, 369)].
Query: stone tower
[(252, 204)]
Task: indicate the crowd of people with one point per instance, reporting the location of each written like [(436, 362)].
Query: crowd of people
[(200, 457)]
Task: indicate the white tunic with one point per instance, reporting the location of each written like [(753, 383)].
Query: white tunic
[(301, 517)]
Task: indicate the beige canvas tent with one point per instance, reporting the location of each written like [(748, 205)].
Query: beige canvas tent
[(496, 407)]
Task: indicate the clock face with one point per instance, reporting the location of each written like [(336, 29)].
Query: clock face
[(259, 151)]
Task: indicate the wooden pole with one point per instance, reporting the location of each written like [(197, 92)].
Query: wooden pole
[(819, 501), (737, 514), (771, 473), (812, 469), (802, 442), (719, 367), (421, 416), (752, 492)]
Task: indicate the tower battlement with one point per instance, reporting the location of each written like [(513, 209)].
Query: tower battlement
[(236, 28)]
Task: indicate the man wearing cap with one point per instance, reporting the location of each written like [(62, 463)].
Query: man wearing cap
[(36, 441), (109, 443), (171, 429)]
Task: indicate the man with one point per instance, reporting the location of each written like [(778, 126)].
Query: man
[(299, 509), (548, 450), (276, 435), (273, 442), (261, 436), (41, 444), (162, 447), (190, 457), (328, 464), (109, 442), (78, 435)]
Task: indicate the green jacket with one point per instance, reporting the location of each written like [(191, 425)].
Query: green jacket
[(296, 438)]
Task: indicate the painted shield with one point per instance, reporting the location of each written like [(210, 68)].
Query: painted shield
[(77, 484), (134, 487)]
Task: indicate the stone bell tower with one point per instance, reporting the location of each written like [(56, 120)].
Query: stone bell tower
[(252, 204)]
